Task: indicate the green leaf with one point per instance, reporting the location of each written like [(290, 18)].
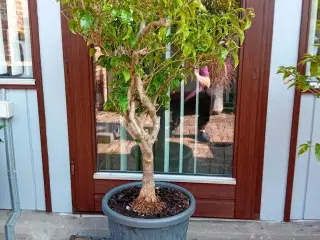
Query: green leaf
[(123, 103), (199, 5), (133, 42), (317, 151), (115, 13), (175, 84), (138, 140), (106, 46), (241, 35), (236, 59), (111, 30), (92, 52), (303, 148), (125, 16), (291, 85), (109, 106), (248, 23), (126, 75), (106, 6), (224, 54), (180, 2), (115, 62), (63, 2), (187, 49), (129, 33), (86, 21), (286, 75), (162, 33), (73, 26)]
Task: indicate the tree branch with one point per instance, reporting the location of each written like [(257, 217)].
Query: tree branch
[(152, 111), (160, 23), (167, 83)]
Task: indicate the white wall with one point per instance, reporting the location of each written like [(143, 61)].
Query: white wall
[(55, 104), (27, 149), (286, 36), (306, 190)]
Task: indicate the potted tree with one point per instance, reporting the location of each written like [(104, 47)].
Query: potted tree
[(134, 37)]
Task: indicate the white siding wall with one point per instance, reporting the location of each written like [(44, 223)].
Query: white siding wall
[(286, 36), (26, 138), (306, 190)]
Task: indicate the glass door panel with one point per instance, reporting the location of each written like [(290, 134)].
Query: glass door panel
[(196, 134), (197, 131)]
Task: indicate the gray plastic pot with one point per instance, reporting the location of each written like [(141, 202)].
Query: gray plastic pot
[(127, 228)]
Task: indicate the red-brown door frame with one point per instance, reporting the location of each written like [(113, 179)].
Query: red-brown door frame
[(240, 201)]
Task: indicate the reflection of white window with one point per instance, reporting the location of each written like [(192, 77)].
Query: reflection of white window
[(314, 30), (314, 35), (15, 46)]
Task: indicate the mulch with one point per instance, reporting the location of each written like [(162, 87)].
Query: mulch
[(176, 202)]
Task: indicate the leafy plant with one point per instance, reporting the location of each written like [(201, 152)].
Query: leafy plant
[(134, 37), (304, 83)]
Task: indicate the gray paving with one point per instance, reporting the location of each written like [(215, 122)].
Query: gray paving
[(43, 226)]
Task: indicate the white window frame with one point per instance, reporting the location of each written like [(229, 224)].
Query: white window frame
[(166, 178)]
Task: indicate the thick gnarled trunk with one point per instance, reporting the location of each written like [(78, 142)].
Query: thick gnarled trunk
[(147, 202)]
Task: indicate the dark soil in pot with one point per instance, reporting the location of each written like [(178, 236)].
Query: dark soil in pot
[(176, 202)]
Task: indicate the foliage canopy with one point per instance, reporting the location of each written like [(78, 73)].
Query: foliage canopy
[(121, 27)]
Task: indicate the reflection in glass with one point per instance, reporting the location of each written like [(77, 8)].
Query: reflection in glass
[(197, 132), (15, 47), (314, 36), (196, 135)]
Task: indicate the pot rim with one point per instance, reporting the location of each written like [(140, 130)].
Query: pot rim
[(148, 223)]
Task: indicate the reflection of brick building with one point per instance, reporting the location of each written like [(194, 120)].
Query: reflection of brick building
[(19, 26)]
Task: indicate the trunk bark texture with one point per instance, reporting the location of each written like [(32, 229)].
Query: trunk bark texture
[(147, 202), (148, 186)]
